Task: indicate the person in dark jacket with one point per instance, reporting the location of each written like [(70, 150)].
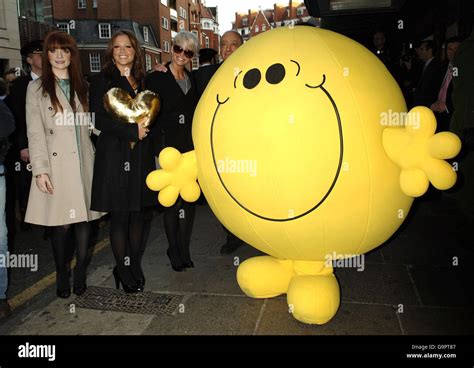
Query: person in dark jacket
[(426, 92), (179, 97), (120, 172), (18, 175), (230, 41), (7, 126), (444, 107)]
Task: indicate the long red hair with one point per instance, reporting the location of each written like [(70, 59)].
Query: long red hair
[(78, 85)]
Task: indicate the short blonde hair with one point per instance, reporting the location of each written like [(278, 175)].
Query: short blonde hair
[(188, 40)]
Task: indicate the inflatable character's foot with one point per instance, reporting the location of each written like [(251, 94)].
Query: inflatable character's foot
[(313, 294), (264, 277)]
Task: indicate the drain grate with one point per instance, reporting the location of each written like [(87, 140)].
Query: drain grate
[(107, 299)]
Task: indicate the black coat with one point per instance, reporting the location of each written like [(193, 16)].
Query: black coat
[(16, 101), (119, 171), (203, 75), (7, 126), (427, 90), (177, 110), (444, 118)]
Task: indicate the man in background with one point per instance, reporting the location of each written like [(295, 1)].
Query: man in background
[(429, 83), (443, 107), (7, 126), (18, 175)]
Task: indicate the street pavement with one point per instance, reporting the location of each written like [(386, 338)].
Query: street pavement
[(417, 283)]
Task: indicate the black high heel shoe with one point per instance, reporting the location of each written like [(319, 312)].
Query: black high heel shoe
[(189, 264), (63, 293), (127, 288), (141, 283), (79, 290), (179, 268)]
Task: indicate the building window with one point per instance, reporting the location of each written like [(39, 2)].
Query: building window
[(164, 2), (207, 42), (166, 46), (165, 23), (94, 60), (81, 4), (148, 65), (288, 12), (104, 30), (256, 29), (182, 12), (264, 27), (196, 33), (94, 4), (245, 22), (63, 27), (207, 25), (300, 11), (195, 62), (145, 34)]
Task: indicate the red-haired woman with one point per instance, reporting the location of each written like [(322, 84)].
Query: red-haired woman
[(120, 171), (62, 157)]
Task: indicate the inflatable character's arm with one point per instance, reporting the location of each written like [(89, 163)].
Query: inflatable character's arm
[(177, 176), (420, 153)]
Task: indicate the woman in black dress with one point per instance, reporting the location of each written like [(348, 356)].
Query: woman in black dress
[(177, 90), (119, 173)]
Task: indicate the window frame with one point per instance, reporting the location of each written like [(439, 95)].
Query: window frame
[(109, 28), (91, 62), (164, 21), (63, 23)]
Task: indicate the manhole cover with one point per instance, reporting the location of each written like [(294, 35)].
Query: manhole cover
[(107, 299)]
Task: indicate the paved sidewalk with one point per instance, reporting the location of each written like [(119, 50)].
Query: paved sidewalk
[(409, 286)]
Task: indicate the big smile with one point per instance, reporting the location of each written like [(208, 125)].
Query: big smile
[(316, 202)]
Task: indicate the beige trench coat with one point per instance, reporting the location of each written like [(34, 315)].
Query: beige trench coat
[(54, 151)]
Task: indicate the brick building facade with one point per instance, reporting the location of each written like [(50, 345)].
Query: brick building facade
[(254, 22), (157, 22)]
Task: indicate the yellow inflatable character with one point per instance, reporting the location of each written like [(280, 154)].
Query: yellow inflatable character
[(304, 149)]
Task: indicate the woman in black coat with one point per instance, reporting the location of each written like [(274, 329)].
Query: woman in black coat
[(179, 97), (119, 173)]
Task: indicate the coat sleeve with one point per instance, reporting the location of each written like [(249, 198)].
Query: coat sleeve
[(39, 156), (17, 97), (103, 121), (7, 122), (167, 118)]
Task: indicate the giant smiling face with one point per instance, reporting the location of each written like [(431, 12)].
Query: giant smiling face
[(288, 139)]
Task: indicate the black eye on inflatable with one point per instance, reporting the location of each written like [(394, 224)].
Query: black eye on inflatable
[(252, 78), (275, 74)]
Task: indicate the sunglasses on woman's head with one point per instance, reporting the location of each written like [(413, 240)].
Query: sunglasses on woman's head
[(178, 50)]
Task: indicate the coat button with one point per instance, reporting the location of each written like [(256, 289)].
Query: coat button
[(55, 154), (50, 108), (51, 131)]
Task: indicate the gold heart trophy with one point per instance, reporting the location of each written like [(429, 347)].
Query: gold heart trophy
[(123, 107)]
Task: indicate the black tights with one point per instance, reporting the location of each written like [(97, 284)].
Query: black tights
[(128, 236), (179, 220), (63, 250)]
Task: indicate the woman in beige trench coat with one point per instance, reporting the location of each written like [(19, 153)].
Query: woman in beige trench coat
[(62, 157)]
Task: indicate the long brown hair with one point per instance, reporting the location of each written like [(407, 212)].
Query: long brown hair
[(138, 69), (78, 85)]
